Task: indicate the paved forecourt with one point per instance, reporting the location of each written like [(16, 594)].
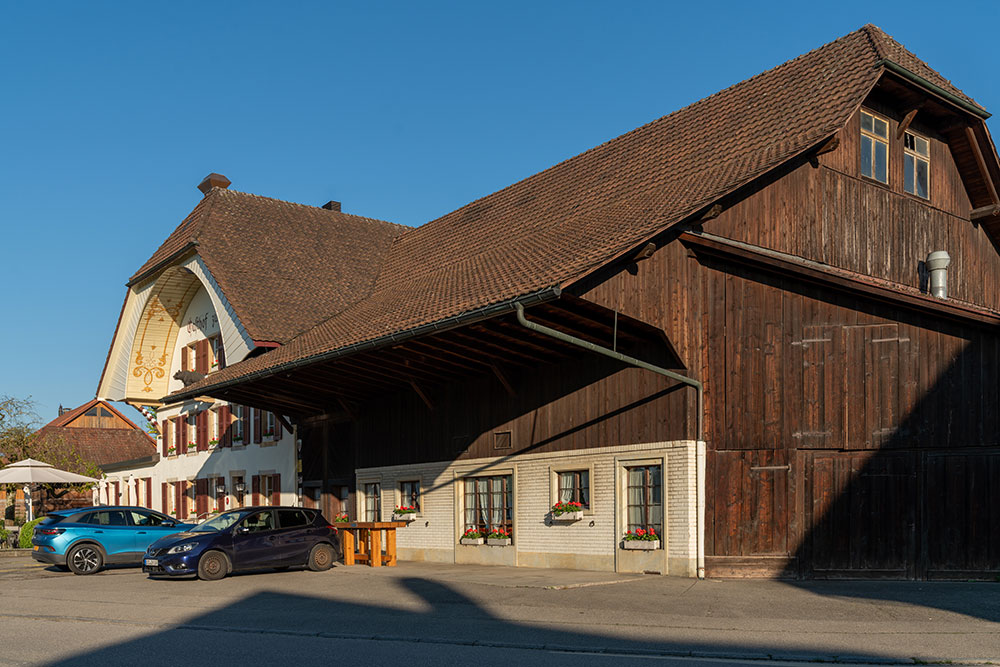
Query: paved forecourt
[(448, 614)]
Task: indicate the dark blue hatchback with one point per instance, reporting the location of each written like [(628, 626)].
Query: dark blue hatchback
[(246, 539)]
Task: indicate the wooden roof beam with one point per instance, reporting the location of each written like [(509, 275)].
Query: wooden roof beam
[(905, 123), (422, 395), (985, 212), (970, 134), (502, 352)]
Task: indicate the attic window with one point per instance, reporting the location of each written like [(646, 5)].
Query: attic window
[(874, 147), (916, 165)]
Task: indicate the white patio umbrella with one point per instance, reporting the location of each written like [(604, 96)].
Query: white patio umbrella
[(30, 471)]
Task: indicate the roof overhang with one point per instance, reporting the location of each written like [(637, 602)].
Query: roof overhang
[(771, 261), (418, 361)]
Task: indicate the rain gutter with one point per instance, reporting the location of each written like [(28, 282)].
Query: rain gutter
[(896, 68)]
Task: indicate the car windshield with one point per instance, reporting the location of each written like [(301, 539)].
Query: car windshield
[(220, 523)]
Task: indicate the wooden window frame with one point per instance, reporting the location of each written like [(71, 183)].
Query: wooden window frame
[(472, 502), (401, 500), (364, 496), (916, 157), (627, 467), (239, 427), (239, 498), (875, 138), (577, 466)]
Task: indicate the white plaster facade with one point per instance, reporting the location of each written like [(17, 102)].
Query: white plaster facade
[(160, 331), (593, 543)]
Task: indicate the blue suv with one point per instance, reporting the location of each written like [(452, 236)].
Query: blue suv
[(86, 539)]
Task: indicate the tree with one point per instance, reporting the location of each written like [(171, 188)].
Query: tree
[(19, 439)]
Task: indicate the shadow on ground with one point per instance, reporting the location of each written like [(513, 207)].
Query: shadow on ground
[(297, 629)]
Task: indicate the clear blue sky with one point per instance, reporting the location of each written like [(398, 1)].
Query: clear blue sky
[(111, 113)]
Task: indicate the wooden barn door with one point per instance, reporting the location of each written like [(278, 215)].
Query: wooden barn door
[(861, 492)]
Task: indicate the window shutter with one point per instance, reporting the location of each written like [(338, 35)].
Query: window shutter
[(255, 488), (201, 356), (222, 354), (163, 497), (276, 490), (220, 498), (277, 427), (201, 496), (225, 426), (201, 438), (149, 493), (165, 435), (178, 434), (185, 361), (256, 425), (178, 497)]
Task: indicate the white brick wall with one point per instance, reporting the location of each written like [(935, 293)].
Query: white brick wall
[(439, 523)]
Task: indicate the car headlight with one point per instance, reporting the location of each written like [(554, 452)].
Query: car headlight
[(182, 548)]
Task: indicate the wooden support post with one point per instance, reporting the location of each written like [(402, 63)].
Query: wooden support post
[(376, 552), (347, 543), (390, 547)]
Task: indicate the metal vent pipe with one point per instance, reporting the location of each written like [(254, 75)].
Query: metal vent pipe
[(937, 265)]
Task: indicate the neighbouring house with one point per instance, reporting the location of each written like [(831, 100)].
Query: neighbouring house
[(92, 439), (765, 327), (240, 275)]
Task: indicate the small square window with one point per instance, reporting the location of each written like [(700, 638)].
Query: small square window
[(502, 440)]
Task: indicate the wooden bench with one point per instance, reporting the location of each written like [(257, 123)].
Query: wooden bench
[(362, 542)]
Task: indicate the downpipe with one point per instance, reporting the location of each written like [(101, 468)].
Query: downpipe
[(638, 363)]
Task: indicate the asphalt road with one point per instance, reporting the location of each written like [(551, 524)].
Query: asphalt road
[(428, 614)]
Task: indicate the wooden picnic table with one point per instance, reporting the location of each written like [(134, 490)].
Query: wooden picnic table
[(362, 542)]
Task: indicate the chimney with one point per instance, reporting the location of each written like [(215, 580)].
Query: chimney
[(213, 180), (62, 410), (937, 265), (332, 205)]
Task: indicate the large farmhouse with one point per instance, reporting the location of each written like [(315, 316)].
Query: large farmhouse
[(764, 326)]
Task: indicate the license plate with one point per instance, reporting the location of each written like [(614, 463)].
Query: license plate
[(151, 562)]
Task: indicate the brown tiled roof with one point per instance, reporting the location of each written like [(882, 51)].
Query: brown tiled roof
[(888, 48), (101, 446), (284, 267), (557, 226)]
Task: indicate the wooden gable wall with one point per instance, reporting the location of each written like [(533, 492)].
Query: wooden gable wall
[(833, 215)]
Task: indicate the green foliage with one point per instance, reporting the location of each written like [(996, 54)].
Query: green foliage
[(24, 541), (4, 535)]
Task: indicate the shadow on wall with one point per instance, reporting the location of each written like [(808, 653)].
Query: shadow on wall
[(916, 497), (450, 628)]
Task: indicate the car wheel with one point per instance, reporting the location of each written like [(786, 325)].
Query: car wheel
[(321, 558), (85, 559), (212, 566)]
